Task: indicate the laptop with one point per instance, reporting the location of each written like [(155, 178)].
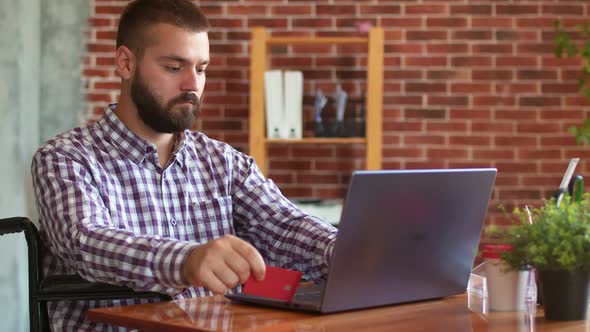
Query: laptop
[(404, 236)]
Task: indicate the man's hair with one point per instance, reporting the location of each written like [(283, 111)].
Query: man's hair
[(140, 15)]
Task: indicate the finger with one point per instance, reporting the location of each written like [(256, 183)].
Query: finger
[(225, 274), (212, 282), (238, 265), (252, 257)]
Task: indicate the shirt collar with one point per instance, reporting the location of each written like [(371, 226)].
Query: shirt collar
[(182, 141), (133, 146)]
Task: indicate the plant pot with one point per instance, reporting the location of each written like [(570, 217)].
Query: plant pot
[(565, 294), (507, 290)]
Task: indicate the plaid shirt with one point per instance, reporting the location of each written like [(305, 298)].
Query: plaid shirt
[(110, 213)]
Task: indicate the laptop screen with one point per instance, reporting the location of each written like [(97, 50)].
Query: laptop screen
[(407, 235)]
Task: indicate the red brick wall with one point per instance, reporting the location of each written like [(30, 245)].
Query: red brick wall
[(467, 84)]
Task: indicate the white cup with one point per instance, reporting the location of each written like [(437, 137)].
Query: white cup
[(507, 290)]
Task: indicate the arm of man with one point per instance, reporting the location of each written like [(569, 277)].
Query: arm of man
[(81, 233), (285, 235)]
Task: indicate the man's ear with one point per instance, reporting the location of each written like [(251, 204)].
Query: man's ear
[(125, 62)]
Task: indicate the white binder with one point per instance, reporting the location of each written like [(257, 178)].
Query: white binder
[(293, 103), (274, 104)]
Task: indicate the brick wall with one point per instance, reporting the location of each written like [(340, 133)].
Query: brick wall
[(467, 84)]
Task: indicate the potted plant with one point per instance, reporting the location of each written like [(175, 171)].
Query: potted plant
[(557, 244)]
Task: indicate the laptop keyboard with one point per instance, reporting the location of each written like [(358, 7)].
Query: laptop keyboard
[(312, 293)]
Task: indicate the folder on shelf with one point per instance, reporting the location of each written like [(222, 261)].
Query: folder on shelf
[(293, 103), (274, 102)]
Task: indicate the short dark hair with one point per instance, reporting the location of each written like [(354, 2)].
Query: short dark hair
[(139, 15)]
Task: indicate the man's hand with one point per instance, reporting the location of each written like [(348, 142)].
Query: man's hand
[(222, 264)]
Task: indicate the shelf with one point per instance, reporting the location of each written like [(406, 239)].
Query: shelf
[(259, 61), (316, 40), (318, 140)]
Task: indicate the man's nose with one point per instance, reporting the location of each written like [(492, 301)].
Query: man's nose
[(190, 80)]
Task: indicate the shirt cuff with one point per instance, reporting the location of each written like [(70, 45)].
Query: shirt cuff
[(169, 261), (329, 251), (323, 256)]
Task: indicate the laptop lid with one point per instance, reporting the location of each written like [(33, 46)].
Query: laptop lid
[(406, 235)]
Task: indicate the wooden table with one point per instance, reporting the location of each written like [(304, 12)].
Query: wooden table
[(219, 314)]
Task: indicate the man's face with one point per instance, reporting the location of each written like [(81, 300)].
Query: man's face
[(169, 79)]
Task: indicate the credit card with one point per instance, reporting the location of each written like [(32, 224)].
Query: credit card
[(278, 284)]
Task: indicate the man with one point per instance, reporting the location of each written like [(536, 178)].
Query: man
[(137, 199)]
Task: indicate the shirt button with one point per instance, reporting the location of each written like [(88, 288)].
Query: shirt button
[(172, 222)]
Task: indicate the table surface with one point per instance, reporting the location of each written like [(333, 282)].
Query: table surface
[(219, 314)]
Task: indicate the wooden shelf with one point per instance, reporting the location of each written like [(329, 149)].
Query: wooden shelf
[(316, 40), (318, 140), (374, 95)]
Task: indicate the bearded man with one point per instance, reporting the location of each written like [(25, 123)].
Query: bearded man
[(139, 199)]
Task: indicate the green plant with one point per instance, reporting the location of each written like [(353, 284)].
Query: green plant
[(558, 239), (565, 46)]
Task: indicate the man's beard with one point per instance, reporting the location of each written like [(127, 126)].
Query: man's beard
[(168, 118)]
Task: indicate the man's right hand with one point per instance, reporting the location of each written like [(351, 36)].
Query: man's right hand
[(222, 264)]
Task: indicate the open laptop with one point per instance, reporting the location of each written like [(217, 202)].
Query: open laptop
[(404, 236)]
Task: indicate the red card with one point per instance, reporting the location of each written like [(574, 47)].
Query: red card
[(278, 284)]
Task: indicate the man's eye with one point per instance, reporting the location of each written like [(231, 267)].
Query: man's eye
[(172, 68), (201, 72)]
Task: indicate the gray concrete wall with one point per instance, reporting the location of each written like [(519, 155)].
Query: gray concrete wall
[(62, 48), (40, 95)]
